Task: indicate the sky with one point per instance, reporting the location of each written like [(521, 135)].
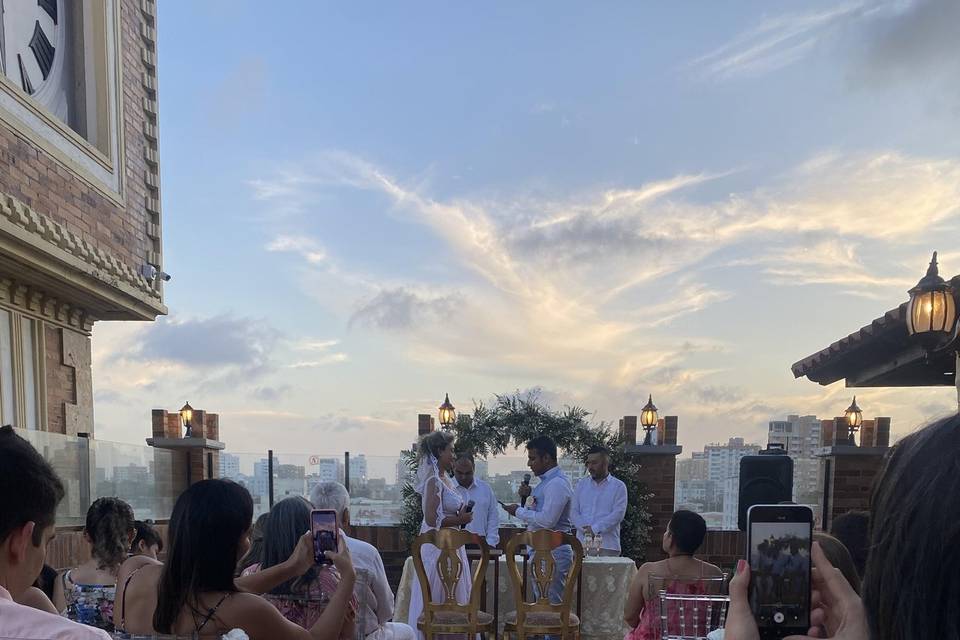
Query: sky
[(367, 206)]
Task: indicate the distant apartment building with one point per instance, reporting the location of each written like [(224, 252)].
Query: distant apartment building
[(229, 466), (723, 460), (800, 437), (330, 470), (358, 471), (692, 468)]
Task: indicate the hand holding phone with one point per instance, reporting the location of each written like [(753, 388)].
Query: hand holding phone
[(326, 533), (779, 539)]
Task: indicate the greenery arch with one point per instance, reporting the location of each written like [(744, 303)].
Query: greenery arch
[(515, 419)]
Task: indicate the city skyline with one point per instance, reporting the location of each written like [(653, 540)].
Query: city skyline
[(467, 204)]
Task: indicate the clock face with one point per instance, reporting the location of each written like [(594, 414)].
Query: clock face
[(33, 48)]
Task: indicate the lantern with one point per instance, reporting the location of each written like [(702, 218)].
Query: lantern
[(448, 413), (932, 310), (648, 419), (186, 416)]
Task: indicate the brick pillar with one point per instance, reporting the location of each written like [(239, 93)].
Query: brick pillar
[(628, 430), (197, 457), (848, 475), (425, 424), (658, 471)]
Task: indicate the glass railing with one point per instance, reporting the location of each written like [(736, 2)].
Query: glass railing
[(147, 478), (70, 457)]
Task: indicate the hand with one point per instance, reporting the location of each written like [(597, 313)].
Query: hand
[(510, 508), (524, 491), (740, 622), (302, 557), (466, 517), (836, 606), (588, 530), (341, 560)]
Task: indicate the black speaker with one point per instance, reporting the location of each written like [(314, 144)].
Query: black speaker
[(764, 479)]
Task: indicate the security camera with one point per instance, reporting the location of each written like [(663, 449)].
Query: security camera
[(151, 272)]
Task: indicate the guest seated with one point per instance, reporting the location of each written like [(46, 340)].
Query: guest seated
[(839, 557), (303, 599), (29, 494), (911, 586), (377, 598), (85, 593), (195, 592), (255, 554), (853, 530), (680, 572), (147, 541)]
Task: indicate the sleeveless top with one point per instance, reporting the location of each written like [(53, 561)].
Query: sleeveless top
[(649, 626), (89, 604)]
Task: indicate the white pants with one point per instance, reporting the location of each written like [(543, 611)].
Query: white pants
[(393, 631)]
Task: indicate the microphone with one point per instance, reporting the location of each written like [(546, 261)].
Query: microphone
[(526, 482), (468, 509)]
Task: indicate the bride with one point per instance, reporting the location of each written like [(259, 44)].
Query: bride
[(442, 507)]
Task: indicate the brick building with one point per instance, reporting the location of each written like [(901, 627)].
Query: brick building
[(79, 197)]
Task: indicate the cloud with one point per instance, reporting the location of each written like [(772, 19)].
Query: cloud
[(209, 342), (779, 41), (307, 248), (398, 309)]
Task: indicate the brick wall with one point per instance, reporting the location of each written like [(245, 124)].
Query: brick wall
[(658, 472), (851, 480), (60, 380)]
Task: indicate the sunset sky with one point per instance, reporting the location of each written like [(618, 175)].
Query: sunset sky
[(368, 205)]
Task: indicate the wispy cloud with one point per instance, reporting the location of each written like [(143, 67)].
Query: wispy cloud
[(778, 41)]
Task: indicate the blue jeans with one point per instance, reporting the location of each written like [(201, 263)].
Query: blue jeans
[(563, 559)]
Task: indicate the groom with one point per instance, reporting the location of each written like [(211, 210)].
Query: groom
[(552, 498)]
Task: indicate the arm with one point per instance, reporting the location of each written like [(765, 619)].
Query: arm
[(130, 565), (382, 592), (575, 516), (59, 597), (433, 494), (554, 502), (296, 565), (493, 519), (635, 601), (607, 521)]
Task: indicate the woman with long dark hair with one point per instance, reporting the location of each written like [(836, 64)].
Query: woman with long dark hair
[(195, 593), (255, 554), (303, 599), (86, 593)]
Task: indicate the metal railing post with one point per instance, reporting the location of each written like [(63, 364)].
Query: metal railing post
[(85, 466), (346, 470), (270, 476)]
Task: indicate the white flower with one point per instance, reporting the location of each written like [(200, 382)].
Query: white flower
[(235, 634)]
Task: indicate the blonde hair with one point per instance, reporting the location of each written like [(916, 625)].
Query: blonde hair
[(431, 444)]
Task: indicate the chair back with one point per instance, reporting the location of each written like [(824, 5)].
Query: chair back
[(450, 567), (543, 569), (691, 617)]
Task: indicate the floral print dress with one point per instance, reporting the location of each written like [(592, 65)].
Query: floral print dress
[(89, 604)]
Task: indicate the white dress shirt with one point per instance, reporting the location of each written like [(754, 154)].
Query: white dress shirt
[(600, 506), (379, 597), (551, 509), (486, 511)]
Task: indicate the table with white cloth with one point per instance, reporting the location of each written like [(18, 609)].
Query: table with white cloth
[(605, 582)]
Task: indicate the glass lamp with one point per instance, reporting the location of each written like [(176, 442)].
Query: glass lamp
[(186, 416), (648, 420), (448, 413), (932, 310), (854, 416)]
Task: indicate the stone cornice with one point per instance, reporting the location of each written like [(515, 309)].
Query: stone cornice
[(40, 304), (151, 154)]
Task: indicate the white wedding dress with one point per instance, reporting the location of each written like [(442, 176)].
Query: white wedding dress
[(439, 500)]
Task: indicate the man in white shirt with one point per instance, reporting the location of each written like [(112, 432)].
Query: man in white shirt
[(486, 513), (29, 493), (550, 508), (374, 594), (599, 503)]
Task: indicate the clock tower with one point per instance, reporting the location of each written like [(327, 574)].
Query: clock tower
[(80, 223)]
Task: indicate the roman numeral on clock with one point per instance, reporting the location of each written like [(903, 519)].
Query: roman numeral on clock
[(43, 51), (50, 6), (24, 77)]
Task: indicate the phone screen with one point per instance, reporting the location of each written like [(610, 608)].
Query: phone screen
[(779, 553), (323, 524)]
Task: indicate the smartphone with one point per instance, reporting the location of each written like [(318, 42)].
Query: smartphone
[(323, 525), (778, 549)]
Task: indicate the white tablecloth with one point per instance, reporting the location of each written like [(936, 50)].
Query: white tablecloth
[(606, 582)]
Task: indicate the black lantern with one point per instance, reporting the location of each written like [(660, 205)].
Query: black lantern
[(648, 420), (448, 413), (854, 417), (186, 416), (932, 311)]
